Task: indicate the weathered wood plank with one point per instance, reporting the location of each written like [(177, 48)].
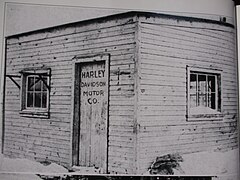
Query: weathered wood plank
[(185, 54), (69, 38), (187, 46), (164, 59), (78, 27), (122, 54), (190, 37), (107, 42), (198, 33)]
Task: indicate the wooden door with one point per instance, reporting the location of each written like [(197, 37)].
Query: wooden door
[(93, 114)]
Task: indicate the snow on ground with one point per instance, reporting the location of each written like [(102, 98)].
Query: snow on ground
[(222, 164), (15, 169)]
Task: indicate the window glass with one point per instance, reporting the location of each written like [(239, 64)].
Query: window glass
[(37, 84), (211, 92), (29, 99), (203, 92), (30, 83), (44, 100), (211, 84), (193, 90), (44, 84), (37, 102), (36, 92)]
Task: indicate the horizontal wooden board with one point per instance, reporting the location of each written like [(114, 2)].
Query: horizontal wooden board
[(184, 54), (70, 30), (191, 31), (194, 48), (114, 49), (108, 42), (62, 58), (70, 38), (164, 59), (191, 37)]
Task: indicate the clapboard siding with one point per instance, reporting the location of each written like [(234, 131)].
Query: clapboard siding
[(70, 38), (34, 137), (148, 62), (72, 29), (166, 48), (180, 36), (64, 49)]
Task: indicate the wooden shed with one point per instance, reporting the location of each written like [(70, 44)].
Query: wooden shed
[(116, 92)]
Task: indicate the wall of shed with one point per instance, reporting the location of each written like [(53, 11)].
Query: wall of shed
[(50, 139), (166, 47)]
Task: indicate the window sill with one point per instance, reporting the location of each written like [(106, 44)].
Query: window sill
[(34, 113), (205, 117)]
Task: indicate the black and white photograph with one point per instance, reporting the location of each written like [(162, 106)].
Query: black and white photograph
[(138, 90)]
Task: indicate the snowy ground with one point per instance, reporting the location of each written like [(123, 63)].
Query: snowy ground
[(224, 165), (23, 169)]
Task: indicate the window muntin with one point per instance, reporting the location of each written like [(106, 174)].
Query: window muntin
[(204, 93), (36, 92), (203, 90)]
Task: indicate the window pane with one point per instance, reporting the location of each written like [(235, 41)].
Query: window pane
[(202, 90), (211, 84), (193, 100), (30, 83), (38, 84), (37, 102), (212, 100), (193, 83), (193, 90), (202, 100), (202, 84), (44, 100), (29, 99), (36, 92), (44, 86)]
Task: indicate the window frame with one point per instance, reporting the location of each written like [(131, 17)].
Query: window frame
[(34, 111), (217, 115)]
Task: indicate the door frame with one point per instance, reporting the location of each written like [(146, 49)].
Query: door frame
[(75, 123)]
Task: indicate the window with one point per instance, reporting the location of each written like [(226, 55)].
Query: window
[(35, 93), (204, 94)]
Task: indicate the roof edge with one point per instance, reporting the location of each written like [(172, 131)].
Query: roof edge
[(122, 15)]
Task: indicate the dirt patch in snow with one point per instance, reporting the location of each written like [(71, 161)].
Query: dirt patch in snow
[(223, 165)]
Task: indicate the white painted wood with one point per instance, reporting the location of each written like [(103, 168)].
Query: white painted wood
[(57, 50), (93, 110), (167, 48)]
